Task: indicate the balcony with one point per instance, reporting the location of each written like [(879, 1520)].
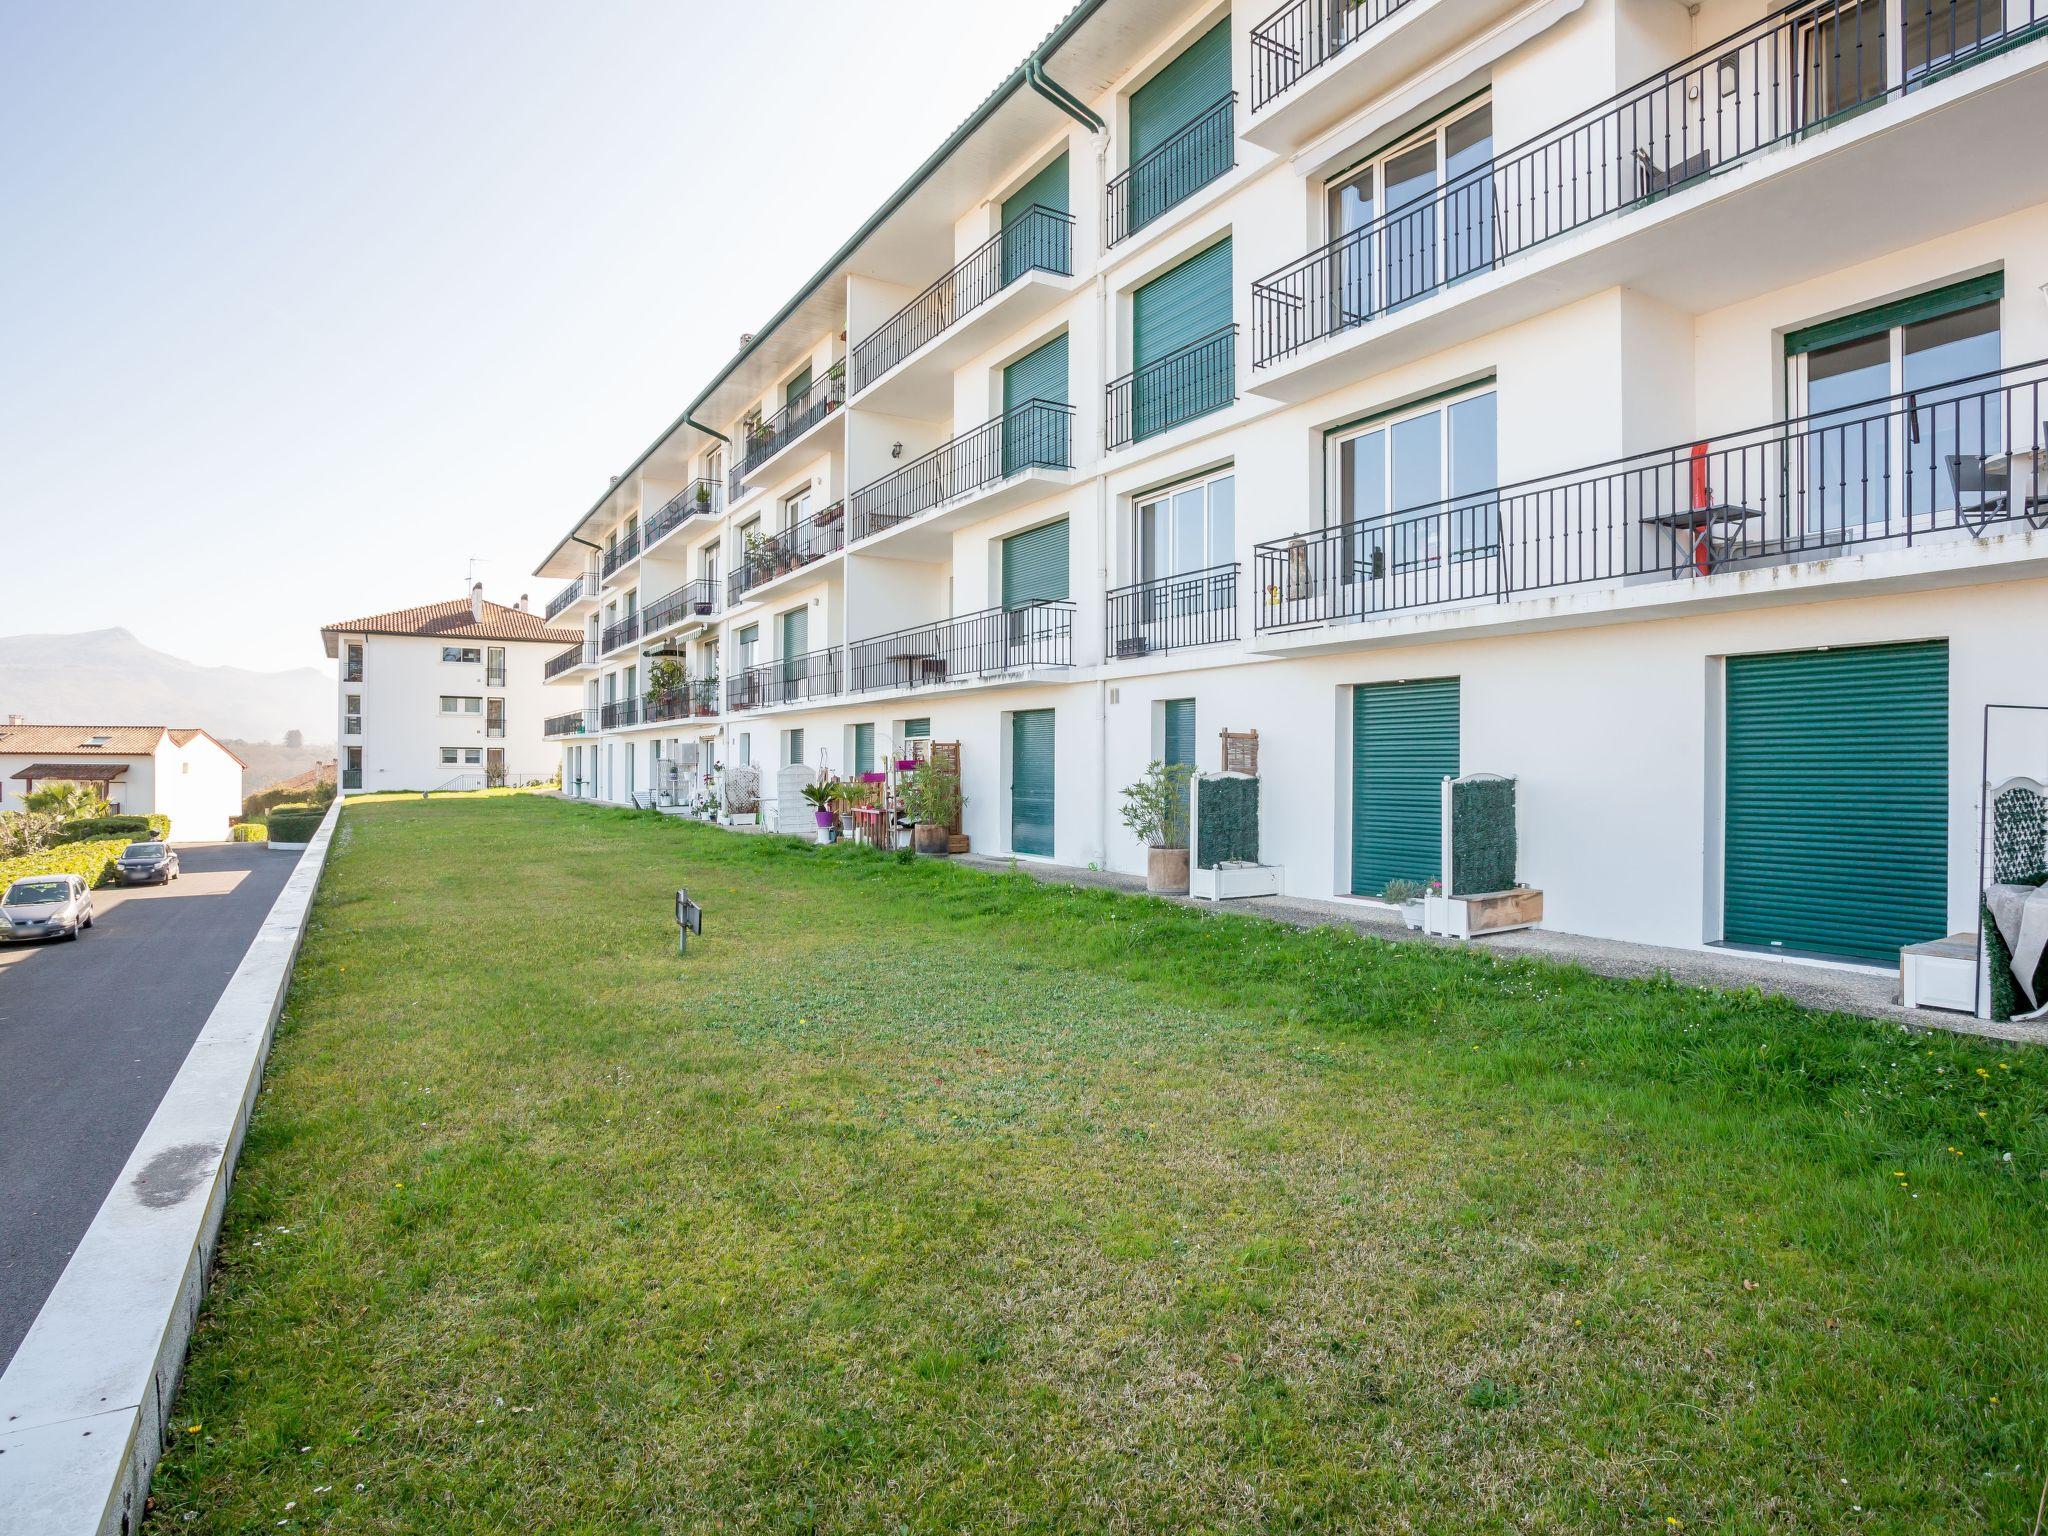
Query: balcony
[(1007, 283), (692, 602), (766, 439), (1304, 36), (778, 555), (567, 661), (695, 699), (617, 714), (620, 555), (1940, 467), (576, 722), (1172, 613), (1669, 136), (972, 648), (582, 587), (700, 498), (622, 633), (791, 680), (1035, 435), (1199, 378), (1174, 172), (351, 778)]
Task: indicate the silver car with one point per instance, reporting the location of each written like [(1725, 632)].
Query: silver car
[(45, 907)]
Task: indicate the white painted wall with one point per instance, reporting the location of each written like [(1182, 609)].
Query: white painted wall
[(404, 730)]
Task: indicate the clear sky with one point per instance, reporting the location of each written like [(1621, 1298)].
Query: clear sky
[(303, 305)]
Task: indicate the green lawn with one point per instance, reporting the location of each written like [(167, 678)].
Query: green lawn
[(919, 1199)]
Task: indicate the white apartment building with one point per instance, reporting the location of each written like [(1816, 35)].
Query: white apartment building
[(141, 770), (1644, 400), (447, 696)]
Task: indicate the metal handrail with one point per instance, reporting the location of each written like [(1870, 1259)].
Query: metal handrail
[(1933, 463), (693, 599), (1195, 156), (1171, 613), (624, 632), (1039, 239), (1305, 35), (1037, 434), (616, 714), (624, 552), (777, 554), (1036, 634), (787, 680), (575, 722), (570, 595), (698, 498), (575, 656), (768, 438), (1188, 382), (1752, 90)]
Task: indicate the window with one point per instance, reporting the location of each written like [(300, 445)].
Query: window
[(746, 747), (1417, 486), (494, 667), (461, 653), (864, 748), (352, 704), (796, 508), (494, 718), (793, 740), (1418, 216), (919, 727), (749, 639), (451, 704), (1869, 457), (1188, 528), (352, 668), (455, 756)]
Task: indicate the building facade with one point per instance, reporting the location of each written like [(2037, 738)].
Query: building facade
[(447, 696), (1642, 400), (142, 770)]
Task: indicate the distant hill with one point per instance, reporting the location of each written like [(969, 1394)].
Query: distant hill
[(108, 677)]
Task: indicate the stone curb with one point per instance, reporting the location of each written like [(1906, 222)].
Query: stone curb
[(83, 1403)]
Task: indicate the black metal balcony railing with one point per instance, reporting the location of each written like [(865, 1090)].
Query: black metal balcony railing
[(351, 778), (1199, 378), (789, 680), (624, 632), (562, 661), (698, 697), (581, 587), (696, 599), (351, 725), (1039, 239), (768, 438), (1943, 463), (1205, 149), (624, 552), (1305, 35), (697, 499), (1792, 74), (1038, 434), (616, 714), (973, 645), (815, 537), (575, 722), (1172, 613)]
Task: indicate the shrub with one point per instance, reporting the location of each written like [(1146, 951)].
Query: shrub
[(932, 796), (92, 861), (137, 829), (293, 823), (248, 832), (1156, 807)]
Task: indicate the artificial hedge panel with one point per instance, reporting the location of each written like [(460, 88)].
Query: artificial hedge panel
[(92, 861), (136, 829), (1482, 836), (1228, 812)]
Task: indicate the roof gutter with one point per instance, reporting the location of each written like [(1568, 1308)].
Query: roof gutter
[(1060, 96)]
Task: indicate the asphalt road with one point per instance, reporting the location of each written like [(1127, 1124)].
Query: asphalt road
[(91, 1034)]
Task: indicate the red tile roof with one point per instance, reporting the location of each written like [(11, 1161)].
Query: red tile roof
[(84, 773), (121, 740), (453, 621)]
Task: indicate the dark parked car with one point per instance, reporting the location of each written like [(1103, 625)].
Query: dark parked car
[(45, 907), (146, 864)]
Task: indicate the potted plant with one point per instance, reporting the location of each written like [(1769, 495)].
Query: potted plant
[(1156, 811), (703, 493), (1408, 896), (821, 795), (932, 802)]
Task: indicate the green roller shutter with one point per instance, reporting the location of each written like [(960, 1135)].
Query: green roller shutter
[(795, 388), (1038, 242), (1837, 799), (1189, 86), (1404, 744), (1921, 306), (917, 728), (796, 632), (1031, 782), (863, 749), (1035, 565), (1036, 437), (1048, 189), (1179, 752), (1173, 311)]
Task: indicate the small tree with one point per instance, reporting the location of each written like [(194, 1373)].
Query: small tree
[(932, 796), (666, 675), (23, 832), (67, 800), (1156, 807)]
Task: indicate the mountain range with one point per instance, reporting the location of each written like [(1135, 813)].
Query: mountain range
[(108, 677)]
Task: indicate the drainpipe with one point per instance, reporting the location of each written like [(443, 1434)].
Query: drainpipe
[(1103, 311), (1036, 77)]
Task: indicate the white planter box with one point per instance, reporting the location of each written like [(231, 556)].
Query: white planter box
[(1229, 882), (1940, 974), (743, 818)]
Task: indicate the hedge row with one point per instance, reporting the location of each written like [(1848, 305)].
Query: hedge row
[(294, 823), (137, 829), (93, 861), (247, 832)]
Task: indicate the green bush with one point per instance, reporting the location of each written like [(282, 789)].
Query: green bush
[(137, 829), (93, 861), (248, 832), (260, 804), (293, 823)]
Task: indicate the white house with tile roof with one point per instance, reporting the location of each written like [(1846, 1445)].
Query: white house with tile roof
[(451, 695), (175, 771)]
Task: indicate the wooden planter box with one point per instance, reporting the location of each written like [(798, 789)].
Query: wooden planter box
[(1469, 917)]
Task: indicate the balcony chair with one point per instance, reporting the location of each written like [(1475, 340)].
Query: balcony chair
[(1991, 488), (1654, 181)]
